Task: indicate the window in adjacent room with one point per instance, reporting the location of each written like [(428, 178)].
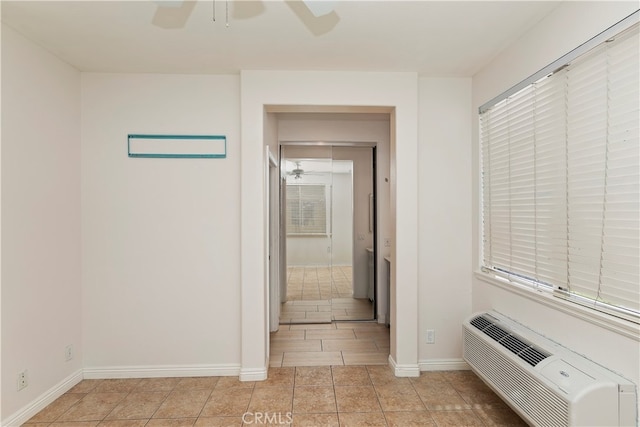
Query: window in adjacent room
[(306, 209), (561, 177)]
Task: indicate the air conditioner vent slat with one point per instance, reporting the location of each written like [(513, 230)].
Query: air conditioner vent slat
[(514, 344), (496, 332), (533, 356), (511, 342), (481, 322)]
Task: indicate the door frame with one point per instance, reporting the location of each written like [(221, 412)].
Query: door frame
[(273, 239), (267, 93)]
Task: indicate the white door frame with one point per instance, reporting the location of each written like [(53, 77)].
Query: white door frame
[(273, 232), (281, 91)]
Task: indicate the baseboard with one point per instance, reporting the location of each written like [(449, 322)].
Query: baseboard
[(405, 370), (259, 374), (443, 365), (162, 371), (24, 414)]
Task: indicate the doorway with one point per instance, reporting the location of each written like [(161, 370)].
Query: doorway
[(328, 214)]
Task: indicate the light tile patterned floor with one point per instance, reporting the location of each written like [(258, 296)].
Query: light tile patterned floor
[(324, 311), (322, 294), (319, 396), (318, 283), (321, 375), (338, 343)]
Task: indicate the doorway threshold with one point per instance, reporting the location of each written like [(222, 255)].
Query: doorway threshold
[(306, 311)]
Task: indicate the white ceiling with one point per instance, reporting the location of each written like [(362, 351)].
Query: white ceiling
[(445, 38)]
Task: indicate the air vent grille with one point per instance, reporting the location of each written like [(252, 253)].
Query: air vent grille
[(514, 383), (496, 332), (511, 342), (514, 344), (533, 356), (480, 322)]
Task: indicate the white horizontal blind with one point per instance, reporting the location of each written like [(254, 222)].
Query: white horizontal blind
[(306, 209), (561, 180)]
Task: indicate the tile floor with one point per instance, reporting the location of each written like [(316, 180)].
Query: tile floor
[(338, 343), (349, 384), (324, 311), (318, 396), (318, 283), (322, 294)]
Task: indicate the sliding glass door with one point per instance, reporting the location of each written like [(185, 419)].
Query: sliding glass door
[(308, 213), (327, 218)]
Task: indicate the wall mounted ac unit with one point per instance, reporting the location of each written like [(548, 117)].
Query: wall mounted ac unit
[(546, 383)]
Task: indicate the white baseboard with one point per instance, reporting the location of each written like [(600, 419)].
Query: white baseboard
[(162, 371), (37, 405), (382, 320), (405, 370), (28, 411), (259, 374), (443, 365)]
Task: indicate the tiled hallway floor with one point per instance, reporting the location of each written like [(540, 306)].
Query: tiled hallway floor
[(337, 343), (322, 294), (319, 396), (315, 283), (324, 311)]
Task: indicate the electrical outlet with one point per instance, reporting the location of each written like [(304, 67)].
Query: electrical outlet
[(431, 336), (23, 380), (387, 242), (68, 352)]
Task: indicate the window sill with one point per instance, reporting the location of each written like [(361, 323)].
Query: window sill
[(622, 327)]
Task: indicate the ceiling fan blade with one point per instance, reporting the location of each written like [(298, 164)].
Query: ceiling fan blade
[(247, 9), (173, 14), (317, 24), (319, 7)]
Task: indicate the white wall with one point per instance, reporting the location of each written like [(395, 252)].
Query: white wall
[(41, 311), (445, 218), (568, 26), (161, 237)]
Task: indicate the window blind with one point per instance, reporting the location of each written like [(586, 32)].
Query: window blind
[(306, 209), (561, 180)]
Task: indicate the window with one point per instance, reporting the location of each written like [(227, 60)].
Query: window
[(306, 209), (561, 178)]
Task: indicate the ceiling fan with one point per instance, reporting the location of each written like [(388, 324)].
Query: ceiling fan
[(308, 167), (317, 15), (296, 172)]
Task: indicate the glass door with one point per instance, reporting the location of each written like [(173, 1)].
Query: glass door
[(353, 266), (327, 202), (308, 223)]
